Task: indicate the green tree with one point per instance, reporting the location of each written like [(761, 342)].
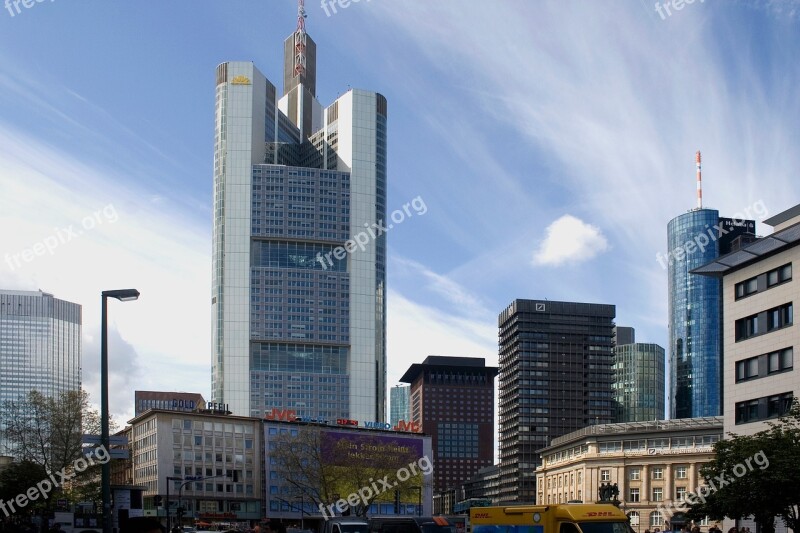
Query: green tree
[(754, 475), (17, 478), (48, 432)]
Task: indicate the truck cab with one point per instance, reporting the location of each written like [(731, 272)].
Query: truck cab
[(570, 518)]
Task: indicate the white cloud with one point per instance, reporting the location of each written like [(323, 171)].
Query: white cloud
[(570, 239)]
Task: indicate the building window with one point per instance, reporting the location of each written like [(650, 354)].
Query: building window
[(634, 516), (746, 411), (746, 369), (779, 317), (580, 478), (656, 519), (779, 405), (680, 472), (780, 361), (779, 275), (658, 494), (633, 495), (605, 475), (680, 493), (635, 474), (658, 473), (747, 327), (746, 287)]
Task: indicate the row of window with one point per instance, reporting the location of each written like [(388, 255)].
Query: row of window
[(764, 322), (763, 408), (764, 281), (764, 365)]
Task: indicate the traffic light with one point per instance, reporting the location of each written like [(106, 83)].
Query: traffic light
[(179, 511), (157, 500)]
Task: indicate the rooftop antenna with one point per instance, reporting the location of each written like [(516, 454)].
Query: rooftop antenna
[(699, 180), (300, 40)]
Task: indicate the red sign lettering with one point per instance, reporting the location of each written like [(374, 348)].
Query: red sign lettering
[(413, 427), (287, 415)]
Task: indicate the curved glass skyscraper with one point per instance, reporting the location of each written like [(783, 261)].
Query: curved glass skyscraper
[(695, 337)]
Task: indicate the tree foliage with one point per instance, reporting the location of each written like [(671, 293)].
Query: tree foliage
[(17, 478), (320, 472), (755, 475), (48, 432)]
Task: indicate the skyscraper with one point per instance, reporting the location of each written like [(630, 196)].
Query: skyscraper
[(639, 382), (40, 345), (555, 377), (452, 399), (695, 328), (398, 404), (298, 310)]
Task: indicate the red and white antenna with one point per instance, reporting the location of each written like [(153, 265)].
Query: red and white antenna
[(300, 40), (699, 182)]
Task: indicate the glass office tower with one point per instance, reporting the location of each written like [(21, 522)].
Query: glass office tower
[(298, 311), (639, 382), (398, 404), (695, 309), (40, 345)]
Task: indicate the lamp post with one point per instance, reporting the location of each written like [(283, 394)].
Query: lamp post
[(124, 295)]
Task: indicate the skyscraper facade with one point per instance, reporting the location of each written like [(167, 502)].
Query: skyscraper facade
[(639, 382), (40, 345), (452, 399), (398, 404), (298, 310), (555, 377), (695, 327)]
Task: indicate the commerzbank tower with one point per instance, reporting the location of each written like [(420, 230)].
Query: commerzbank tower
[(293, 182)]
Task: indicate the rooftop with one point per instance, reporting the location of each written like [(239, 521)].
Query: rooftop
[(626, 428)]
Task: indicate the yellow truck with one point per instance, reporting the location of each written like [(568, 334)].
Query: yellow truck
[(568, 518)]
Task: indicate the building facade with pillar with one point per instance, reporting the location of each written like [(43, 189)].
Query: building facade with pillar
[(654, 466)]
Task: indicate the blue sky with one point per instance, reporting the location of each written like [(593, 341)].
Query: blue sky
[(551, 142)]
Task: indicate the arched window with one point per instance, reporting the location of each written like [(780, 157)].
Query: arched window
[(656, 519), (634, 516)]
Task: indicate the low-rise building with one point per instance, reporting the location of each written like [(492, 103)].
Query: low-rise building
[(211, 462), (654, 466)]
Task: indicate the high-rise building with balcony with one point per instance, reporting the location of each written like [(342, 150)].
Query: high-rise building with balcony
[(555, 377), (298, 310)]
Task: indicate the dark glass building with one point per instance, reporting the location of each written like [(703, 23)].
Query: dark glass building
[(452, 399), (639, 382), (695, 322), (555, 378)]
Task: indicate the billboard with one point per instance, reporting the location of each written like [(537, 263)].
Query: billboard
[(349, 449)]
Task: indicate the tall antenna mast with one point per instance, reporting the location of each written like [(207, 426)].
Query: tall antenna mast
[(699, 181), (300, 40)]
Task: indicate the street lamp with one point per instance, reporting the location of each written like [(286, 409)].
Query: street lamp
[(124, 295)]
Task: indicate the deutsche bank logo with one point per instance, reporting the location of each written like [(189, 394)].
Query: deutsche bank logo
[(540, 307)]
